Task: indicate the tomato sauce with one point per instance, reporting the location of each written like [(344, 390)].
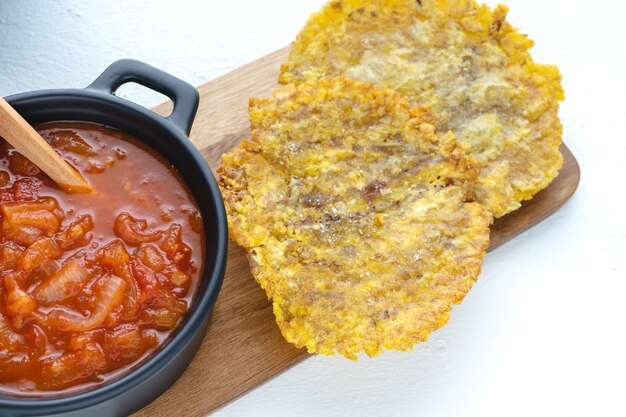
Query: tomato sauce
[(91, 284)]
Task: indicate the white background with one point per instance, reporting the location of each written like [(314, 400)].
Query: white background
[(543, 330)]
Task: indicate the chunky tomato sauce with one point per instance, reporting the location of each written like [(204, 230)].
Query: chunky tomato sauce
[(91, 284)]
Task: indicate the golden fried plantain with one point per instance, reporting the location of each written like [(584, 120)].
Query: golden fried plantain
[(466, 61), (357, 217)]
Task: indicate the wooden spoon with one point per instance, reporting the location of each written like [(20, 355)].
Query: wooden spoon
[(15, 130)]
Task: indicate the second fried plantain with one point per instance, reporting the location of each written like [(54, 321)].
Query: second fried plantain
[(465, 60)]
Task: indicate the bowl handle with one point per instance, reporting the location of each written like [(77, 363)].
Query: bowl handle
[(184, 96)]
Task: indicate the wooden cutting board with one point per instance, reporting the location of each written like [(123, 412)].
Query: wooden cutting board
[(243, 346)]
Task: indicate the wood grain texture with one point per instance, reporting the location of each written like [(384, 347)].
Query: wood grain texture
[(243, 346)]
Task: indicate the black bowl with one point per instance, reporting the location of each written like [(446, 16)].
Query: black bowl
[(168, 136)]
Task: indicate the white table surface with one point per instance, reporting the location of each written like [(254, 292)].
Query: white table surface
[(543, 330)]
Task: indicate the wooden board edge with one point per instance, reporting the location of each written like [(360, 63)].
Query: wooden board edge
[(541, 206)]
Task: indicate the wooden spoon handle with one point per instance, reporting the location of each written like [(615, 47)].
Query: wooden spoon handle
[(15, 130)]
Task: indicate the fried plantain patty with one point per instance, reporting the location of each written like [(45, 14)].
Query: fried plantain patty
[(356, 216), (466, 61)]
